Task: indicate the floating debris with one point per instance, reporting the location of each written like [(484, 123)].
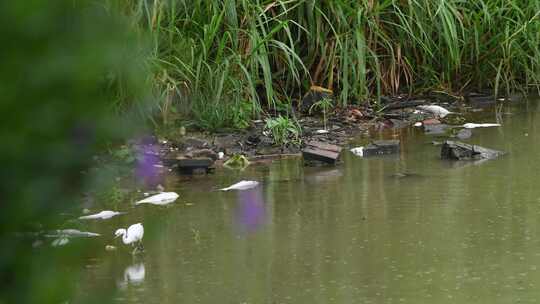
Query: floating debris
[(71, 233), (358, 151), (61, 241), (242, 185), (103, 215), (159, 199), (471, 125), (378, 147), (321, 152), (437, 110), (322, 132), (455, 150)]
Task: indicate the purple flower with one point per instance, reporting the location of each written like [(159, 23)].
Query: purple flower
[(250, 213), (147, 170)]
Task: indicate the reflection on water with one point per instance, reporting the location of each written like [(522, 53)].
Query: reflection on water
[(405, 229), (133, 275)]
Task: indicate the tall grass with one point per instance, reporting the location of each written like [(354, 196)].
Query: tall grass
[(215, 58)]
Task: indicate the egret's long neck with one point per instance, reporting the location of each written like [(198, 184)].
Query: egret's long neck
[(125, 238)]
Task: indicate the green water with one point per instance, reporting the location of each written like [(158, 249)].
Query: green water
[(448, 233)]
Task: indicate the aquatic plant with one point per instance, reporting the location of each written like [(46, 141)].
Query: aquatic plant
[(211, 57), (237, 161)]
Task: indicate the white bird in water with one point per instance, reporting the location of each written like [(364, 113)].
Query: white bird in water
[(103, 215), (132, 236), (471, 125), (241, 185), (358, 151), (163, 198), (437, 110)]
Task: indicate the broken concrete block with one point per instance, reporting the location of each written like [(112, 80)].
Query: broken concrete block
[(378, 147), (322, 152), (191, 165), (456, 150)]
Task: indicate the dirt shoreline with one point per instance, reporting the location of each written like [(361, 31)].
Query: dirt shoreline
[(342, 125)]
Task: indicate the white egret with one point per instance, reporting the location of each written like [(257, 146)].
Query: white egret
[(132, 236), (103, 215), (241, 185), (163, 198)]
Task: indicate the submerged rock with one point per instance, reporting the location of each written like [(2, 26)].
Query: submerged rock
[(464, 134), (455, 150)]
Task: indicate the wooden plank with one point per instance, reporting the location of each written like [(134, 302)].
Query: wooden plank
[(324, 146), (326, 156)]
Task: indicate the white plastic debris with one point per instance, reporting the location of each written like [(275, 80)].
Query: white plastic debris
[(220, 155), (418, 124), (322, 132), (358, 151), (241, 185), (437, 110), (103, 215), (471, 125), (163, 198)]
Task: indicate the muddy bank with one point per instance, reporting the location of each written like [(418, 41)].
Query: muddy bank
[(337, 126)]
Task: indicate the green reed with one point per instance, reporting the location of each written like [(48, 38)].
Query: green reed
[(210, 58)]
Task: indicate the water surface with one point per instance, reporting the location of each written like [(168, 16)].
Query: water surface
[(447, 232)]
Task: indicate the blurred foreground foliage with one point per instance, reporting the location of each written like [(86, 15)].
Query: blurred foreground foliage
[(66, 68)]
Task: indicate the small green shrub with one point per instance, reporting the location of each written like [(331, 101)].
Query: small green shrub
[(284, 131), (324, 105)]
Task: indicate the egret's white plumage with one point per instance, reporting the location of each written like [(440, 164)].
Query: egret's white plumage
[(103, 215), (471, 125), (163, 198), (358, 151), (437, 110), (134, 234), (242, 185)]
